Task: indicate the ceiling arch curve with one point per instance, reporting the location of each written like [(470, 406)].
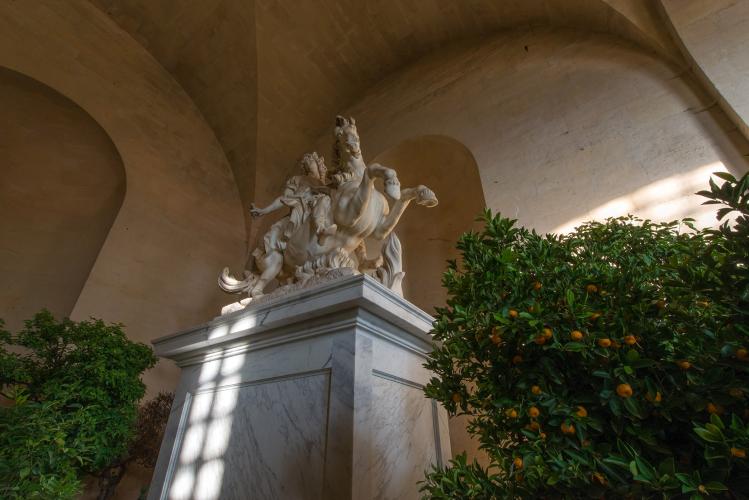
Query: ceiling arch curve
[(269, 76), (181, 218), (428, 236), (62, 183)]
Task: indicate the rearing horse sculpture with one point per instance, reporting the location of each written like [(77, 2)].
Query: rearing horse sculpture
[(301, 245)]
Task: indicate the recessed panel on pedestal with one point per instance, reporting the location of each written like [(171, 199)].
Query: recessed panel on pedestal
[(263, 440), (405, 437)]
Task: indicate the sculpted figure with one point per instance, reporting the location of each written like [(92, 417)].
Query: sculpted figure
[(329, 222)]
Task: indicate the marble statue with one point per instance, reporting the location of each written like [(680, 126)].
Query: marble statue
[(329, 220)]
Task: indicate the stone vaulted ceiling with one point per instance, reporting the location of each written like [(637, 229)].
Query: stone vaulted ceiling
[(270, 75)]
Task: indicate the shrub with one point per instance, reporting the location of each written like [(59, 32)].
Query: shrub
[(610, 362), (74, 389), (144, 447)]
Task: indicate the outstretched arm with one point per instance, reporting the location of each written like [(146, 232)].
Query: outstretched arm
[(277, 204)]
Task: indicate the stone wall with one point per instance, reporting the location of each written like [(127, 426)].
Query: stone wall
[(61, 185), (181, 219), (560, 124), (714, 37)]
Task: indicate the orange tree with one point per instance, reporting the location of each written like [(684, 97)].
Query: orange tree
[(610, 362)]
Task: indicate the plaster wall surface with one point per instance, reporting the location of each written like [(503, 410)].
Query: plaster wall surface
[(181, 219), (715, 38), (428, 236), (562, 124), (61, 185), (209, 47)]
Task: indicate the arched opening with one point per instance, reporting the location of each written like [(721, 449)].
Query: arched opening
[(428, 236), (62, 183)]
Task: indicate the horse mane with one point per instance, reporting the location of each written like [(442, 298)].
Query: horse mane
[(340, 122)]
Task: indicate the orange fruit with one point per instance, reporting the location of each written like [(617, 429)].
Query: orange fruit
[(518, 463), (712, 408), (661, 304), (548, 333), (536, 390), (542, 435), (511, 413), (738, 452), (576, 335), (513, 313), (684, 364), (457, 398), (630, 340), (624, 390), (537, 285), (567, 428), (534, 426), (653, 399), (540, 340), (604, 342), (591, 288), (581, 412), (533, 412), (496, 339), (742, 353), (517, 359)]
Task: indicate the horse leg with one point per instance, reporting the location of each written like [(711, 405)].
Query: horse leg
[(389, 178), (422, 195), (271, 264)]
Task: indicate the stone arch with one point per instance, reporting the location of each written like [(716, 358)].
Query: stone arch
[(62, 183), (428, 236), (553, 142), (181, 219)]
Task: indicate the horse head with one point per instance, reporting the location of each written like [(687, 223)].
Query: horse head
[(346, 143)]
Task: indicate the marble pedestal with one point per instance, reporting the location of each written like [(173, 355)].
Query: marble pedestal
[(316, 395)]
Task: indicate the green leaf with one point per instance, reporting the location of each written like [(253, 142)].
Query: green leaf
[(715, 486), (574, 346), (707, 435), (725, 176), (632, 356), (570, 298)]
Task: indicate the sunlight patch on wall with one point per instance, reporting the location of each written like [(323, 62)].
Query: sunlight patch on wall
[(664, 200)]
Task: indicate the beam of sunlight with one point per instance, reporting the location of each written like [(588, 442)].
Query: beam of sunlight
[(245, 323), (200, 471), (664, 200), (183, 483), (218, 331), (208, 486)]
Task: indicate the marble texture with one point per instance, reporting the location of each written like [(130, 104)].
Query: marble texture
[(315, 395)]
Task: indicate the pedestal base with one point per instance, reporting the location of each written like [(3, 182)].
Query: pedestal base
[(317, 395)]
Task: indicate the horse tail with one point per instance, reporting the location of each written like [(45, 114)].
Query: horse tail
[(391, 272), (230, 284)]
